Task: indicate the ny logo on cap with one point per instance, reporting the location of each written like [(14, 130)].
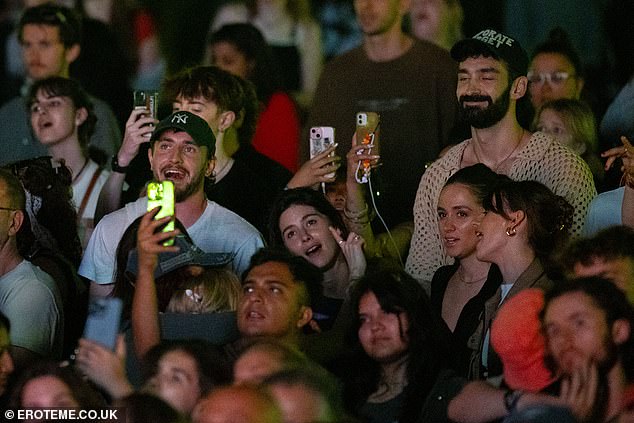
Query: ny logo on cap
[(180, 118)]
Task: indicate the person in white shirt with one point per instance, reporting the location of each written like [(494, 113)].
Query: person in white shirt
[(63, 121)]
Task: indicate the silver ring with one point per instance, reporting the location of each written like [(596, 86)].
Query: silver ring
[(340, 241), (356, 238)]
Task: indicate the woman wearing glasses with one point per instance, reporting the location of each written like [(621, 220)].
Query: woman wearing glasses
[(555, 70)]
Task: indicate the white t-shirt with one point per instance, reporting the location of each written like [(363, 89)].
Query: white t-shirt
[(216, 230), (31, 301), (80, 186)]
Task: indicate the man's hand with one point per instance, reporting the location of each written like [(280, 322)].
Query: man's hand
[(579, 391), (138, 130), (150, 240)]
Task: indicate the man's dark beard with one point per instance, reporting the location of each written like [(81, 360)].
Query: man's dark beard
[(603, 368), (191, 188), (484, 117)]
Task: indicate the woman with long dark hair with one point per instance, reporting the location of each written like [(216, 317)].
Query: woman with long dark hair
[(459, 290), (524, 223), (396, 367), (241, 50)]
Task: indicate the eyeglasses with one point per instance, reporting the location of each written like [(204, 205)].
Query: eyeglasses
[(555, 78)]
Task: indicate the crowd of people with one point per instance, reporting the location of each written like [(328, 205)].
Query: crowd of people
[(469, 259)]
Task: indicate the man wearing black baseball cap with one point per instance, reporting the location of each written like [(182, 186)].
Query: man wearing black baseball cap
[(181, 150), (491, 81)]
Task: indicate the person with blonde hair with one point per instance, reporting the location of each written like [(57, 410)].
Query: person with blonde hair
[(211, 291), (572, 123)]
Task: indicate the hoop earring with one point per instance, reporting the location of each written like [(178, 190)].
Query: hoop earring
[(510, 231)]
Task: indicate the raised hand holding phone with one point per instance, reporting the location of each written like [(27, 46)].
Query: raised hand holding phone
[(102, 324), (367, 134)]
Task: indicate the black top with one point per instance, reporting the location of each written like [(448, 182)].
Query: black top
[(274, 174), (243, 192), (469, 317)]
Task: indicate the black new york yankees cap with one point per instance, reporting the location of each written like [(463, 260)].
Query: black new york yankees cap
[(195, 126)]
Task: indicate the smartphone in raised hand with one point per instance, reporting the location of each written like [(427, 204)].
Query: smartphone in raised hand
[(367, 130), (102, 323), (162, 194), (321, 139)]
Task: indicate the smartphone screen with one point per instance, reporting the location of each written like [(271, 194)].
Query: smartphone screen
[(102, 323), (321, 138), (162, 194)]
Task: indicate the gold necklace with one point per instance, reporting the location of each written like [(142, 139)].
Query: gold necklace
[(497, 166), (462, 279)]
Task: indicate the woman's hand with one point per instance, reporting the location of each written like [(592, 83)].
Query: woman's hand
[(356, 156), (317, 169), (104, 367), (625, 152), (352, 249)]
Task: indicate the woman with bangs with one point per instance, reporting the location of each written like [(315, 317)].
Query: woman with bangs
[(395, 370), (307, 225), (523, 225)]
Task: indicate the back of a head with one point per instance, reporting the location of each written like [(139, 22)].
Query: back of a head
[(212, 290), (615, 242), (241, 403), (47, 199), (12, 187), (259, 358), (319, 387), (247, 121), (143, 407), (66, 20)]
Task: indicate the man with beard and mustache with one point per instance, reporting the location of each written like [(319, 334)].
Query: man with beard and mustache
[(409, 83), (181, 150), (491, 82), (588, 328), (588, 324)]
